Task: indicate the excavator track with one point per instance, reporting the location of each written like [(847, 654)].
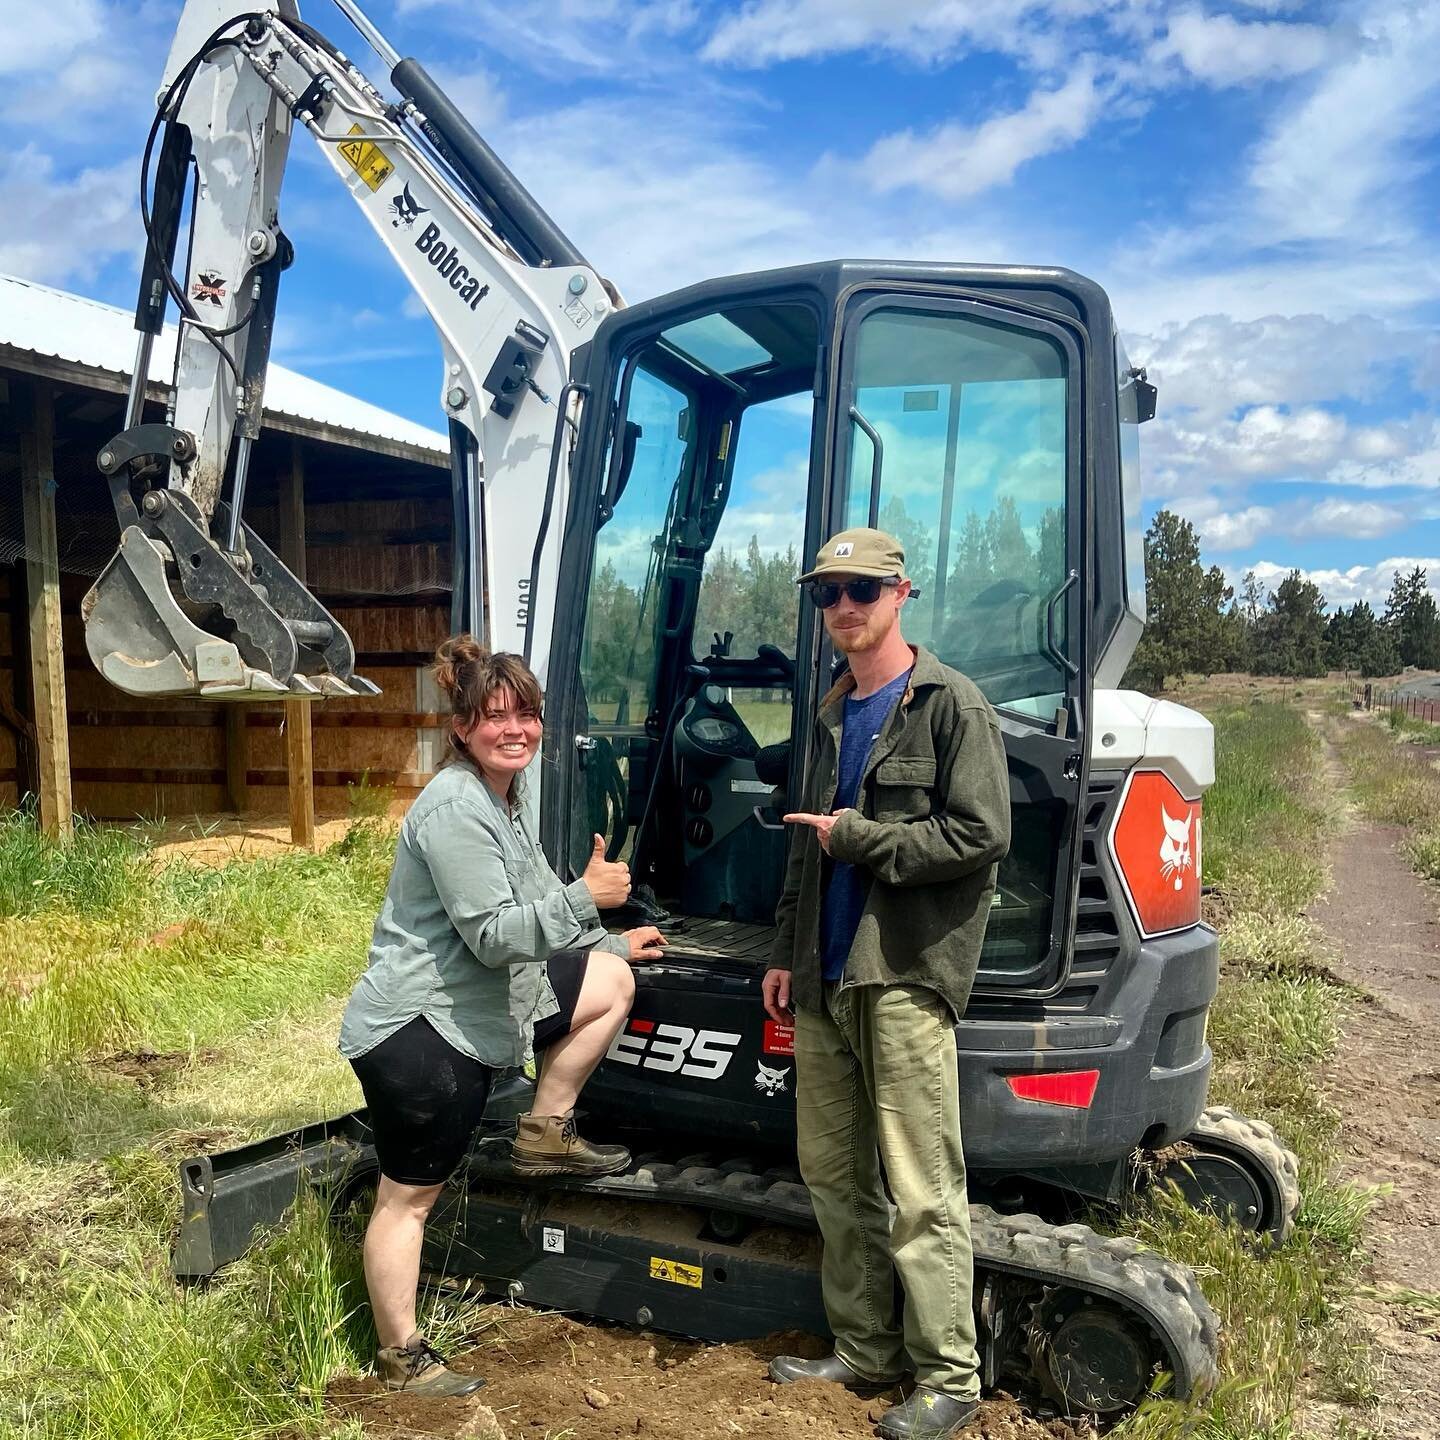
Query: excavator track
[(722, 1248), (1091, 1320)]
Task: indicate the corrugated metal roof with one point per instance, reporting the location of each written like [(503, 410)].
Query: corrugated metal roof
[(58, 325)]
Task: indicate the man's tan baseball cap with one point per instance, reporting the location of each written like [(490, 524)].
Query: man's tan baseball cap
[(860, 551)]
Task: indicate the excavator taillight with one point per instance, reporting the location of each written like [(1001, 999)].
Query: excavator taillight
[(1074, 1089)]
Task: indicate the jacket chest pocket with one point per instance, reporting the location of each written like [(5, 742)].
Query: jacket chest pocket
[(904, 787)]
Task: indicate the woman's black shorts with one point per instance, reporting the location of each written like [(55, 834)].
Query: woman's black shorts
[(426, 1099)]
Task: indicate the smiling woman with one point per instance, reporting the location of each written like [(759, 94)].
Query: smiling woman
[(480, 955)]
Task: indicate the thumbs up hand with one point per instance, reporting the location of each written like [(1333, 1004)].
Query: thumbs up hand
[(608, 881)]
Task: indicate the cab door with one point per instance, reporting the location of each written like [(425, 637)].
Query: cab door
[(958, 428)]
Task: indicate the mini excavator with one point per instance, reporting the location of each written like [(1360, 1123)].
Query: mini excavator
[(609, 463)]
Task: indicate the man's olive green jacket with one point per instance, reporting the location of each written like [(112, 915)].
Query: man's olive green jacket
[(930, 826)]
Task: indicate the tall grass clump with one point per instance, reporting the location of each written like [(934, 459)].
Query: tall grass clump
[(99, 872), (123, 1352), (1265, 817)]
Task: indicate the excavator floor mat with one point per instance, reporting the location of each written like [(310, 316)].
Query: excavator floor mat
[(654, 1266)]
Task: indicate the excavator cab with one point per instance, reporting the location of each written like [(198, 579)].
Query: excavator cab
[(730, 429)]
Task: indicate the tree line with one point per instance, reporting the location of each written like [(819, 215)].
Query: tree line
[(1197, 623)]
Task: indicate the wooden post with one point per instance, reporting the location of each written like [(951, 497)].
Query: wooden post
[(237, 759), (299, 740), (42, 590)]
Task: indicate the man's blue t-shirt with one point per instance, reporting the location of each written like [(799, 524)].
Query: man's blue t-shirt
[(845, 895)]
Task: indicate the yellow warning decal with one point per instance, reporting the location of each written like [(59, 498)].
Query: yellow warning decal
[(676, 1272), (367, 160)]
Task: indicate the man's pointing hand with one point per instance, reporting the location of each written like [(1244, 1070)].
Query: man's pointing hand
[(822, 825)]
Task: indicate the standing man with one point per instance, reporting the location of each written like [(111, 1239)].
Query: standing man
[(887, 893)]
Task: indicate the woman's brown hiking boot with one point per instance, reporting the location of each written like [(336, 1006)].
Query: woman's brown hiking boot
[(416, 1366), (550, 1145)]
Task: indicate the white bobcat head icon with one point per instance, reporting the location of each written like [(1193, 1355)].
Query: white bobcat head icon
[(770, 1080), (1175, 856)]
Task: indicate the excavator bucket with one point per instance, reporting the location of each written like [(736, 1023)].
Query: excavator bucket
[(156, 625)]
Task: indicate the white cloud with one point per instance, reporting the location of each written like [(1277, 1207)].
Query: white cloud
[(1340, 163), (957, 161), (72, 226), (1213, 365), (1344, 587), (1222, 526), (1220, 50), (1356, 519), (1237, 530), (49, 34), (766, 32)]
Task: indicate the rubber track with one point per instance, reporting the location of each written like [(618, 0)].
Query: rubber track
[(1164, 1296), (1221, 1123)]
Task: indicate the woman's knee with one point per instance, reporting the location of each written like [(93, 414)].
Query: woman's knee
[(413, 1200), (617, 977)]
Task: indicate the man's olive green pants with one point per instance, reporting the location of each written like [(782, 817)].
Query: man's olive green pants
[(877, 1102)]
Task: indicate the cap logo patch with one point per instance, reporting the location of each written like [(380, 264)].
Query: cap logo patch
[(844, 549)]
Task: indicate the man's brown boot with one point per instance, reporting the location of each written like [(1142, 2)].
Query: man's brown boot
[(549, 1145), (416, 1367)]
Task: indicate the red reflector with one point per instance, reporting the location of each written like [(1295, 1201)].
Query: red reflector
[(642, 1027), (1075, 1088)]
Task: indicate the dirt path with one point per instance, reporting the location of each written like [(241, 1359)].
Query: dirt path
[(1384, 926)]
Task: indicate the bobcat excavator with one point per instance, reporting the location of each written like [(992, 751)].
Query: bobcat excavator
[(609, 462)]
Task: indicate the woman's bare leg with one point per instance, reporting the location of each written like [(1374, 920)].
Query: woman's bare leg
[(392, 1256), (606, 995)]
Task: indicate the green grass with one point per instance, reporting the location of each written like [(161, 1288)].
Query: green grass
[(1396, 784), (1411, 727), (236, 975), (1287, 1330), (130, 954)]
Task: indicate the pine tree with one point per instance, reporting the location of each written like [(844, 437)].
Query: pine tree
[(1184, 607), (1414, 619), (1291, 633)]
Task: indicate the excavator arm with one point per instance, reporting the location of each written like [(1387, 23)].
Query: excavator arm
[(194, 603)]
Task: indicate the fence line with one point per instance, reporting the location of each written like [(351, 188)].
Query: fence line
[(1366, 697)]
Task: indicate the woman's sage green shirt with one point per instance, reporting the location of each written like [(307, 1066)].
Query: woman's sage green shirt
[(472, 912)]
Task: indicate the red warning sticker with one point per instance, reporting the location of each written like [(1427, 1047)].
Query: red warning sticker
[(779, 1039)]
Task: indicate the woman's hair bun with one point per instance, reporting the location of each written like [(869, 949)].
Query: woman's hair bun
[(452, 656)]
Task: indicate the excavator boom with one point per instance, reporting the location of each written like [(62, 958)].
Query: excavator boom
[(194, 603)]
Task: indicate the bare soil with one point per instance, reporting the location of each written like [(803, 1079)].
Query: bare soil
[(551, 1376), (217, 840), (1383, 922)]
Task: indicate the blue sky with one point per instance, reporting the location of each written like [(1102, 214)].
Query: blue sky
[(1254, 183)]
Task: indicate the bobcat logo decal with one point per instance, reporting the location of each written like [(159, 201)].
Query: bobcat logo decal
[(1175, 857), (405, 209), (770, 1079)]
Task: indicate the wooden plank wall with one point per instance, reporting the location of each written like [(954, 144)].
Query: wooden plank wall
[(167, 758)]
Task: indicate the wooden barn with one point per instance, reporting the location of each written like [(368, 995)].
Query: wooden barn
[(355, 499)]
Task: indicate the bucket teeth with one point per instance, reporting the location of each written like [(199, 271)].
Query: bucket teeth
[(304, 688), (254, 683), (332, 686)]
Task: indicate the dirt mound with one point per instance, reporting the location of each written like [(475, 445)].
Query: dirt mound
[(550, 1375)]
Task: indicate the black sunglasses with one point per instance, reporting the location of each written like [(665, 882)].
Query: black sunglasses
[(864, 591)]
